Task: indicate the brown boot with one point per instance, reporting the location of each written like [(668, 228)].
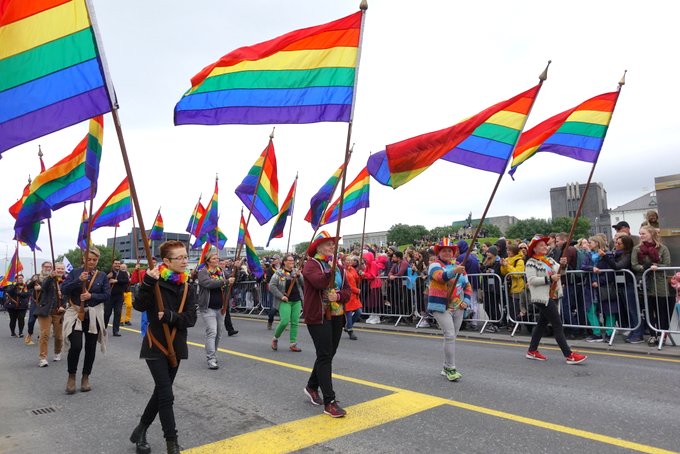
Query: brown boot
[(71, 384), (28, 340), (85, 384)]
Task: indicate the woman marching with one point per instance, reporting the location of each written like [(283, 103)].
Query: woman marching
[(18, 296), (50, 313), (211, 283), (541, 272), (353, 306), (179, 301), (324, 316), (288, 300), (446, 304), (89, 287)]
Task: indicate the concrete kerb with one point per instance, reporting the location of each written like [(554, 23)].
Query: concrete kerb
[(619, 345)]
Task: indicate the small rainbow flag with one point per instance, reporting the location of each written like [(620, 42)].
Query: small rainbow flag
[(82, 231), (13, 268), (217, 238), (195, 219), (29, 233), (157, 228), (577, 133), (52, 74), (484, 141), (253, 260), (285, 211), (208, 221), (305, 76), (68, 181), (267, 191), (115, 209), (356, 197), (322, 198)]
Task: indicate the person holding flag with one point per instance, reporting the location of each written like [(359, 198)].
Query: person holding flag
[(49, 311), (16, 304), (285, 286)]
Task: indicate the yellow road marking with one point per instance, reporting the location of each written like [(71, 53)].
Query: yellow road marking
[(427, 400), (303, 433)]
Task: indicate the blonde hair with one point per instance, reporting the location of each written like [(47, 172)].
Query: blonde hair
[(600, 243), (654, 234)]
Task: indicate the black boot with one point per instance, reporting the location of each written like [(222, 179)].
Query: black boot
[(138, 437), (351, 334), (173, 446)]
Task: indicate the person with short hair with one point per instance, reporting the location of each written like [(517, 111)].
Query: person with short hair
[(18, 296), (34, 286), (285, 286), (118, 281), (50, 314), (179, 314)]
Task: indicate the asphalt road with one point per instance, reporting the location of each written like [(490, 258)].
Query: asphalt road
[(388, 382)]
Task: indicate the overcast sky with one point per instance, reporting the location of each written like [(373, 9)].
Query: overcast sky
[(424, 66)]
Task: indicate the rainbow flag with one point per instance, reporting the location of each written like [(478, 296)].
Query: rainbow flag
[(27, 234), (157, 228), (577, 133), (355, 198), (13, 268), (322, 198), (305, 76), (217, 238), (208, 221), (285, 211), (484, 141), (267, 191), (52, 73), (195, 219), (82, 231), (68, 181), (253, 260), (115, 209)]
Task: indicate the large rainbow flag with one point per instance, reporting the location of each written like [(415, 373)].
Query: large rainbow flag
[(157, 228), (322, 198), (285, 211), (115, 209), (305, 76), (253, 260), (356, 197), (484, 141), (69, 181), (27, 234), (13, 268), (265, 188), (52, 73), (577, 133)]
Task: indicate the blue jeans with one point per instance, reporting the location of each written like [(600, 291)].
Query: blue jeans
[(213, 319), (351, 318)]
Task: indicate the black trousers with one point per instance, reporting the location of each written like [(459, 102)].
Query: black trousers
[(16, 316), (162, 398), (549, 314), (326, 338), (227, 322), (113, 305), (76, 339)]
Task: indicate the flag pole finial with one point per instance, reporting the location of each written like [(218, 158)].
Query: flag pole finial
[(271, 136), (29, 179), (216, 176), (40, 153), (363, 6), (622, 82), (544, 74)]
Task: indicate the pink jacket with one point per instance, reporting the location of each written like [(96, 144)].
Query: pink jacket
[(371, 271)]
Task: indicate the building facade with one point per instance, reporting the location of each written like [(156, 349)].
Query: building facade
[(379, 238), (125, 245), (564, 202), (634, 211)]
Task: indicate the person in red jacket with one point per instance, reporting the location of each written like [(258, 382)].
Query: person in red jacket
[(353, 306), (324, 296)]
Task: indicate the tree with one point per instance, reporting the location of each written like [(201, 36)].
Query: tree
[(492, 231), (526, 228), (563, 224), (441, 232), (105, 259), (301, 248), (401, 234)]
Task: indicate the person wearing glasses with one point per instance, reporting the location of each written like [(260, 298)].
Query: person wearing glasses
[(288, 300), (179, 302)]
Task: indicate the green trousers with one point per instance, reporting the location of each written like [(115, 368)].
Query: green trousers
[(593, 320), (289, 313)]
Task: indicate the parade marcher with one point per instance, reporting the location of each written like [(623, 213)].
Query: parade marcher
[(91, 287), (34, 286), (541, 272), (228, 274), (269, 269), (446, 303), (288, 300), (126, 315), (118, 281), (50, 313), (211, 284), (179, 302), (18, 296), (324, 316), (353, 306)]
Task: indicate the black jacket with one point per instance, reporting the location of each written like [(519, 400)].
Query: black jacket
[(121, 286), (172, 298), (49, 300), (17, 298)]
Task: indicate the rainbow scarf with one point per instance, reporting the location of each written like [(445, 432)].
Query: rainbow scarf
[(171, 276), (546, 261), (216, 274)]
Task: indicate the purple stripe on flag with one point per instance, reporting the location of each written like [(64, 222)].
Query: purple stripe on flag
[(476, 161), (580, 154), (53, 118), (264, 115)]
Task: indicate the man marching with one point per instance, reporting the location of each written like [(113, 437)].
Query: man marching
[(49, 311)]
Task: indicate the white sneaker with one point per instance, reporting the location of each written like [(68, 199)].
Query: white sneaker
[(43, 363), (423, 323), (212, 364), (57, 357), (373, 320)]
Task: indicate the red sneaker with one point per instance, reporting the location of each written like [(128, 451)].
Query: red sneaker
[(313, 396), (333, 410), (575, 358), (536, 355), (275, 344)]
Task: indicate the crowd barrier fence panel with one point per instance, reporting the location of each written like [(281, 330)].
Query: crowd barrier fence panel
[(661, 305), (392, 299)]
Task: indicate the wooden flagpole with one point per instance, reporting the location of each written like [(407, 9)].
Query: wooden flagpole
[(49, 222), (134, 238), (292, 210)]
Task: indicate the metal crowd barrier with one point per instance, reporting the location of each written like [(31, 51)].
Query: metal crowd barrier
[(605, 303), (246, 296), (661, 306), (392, 299)]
